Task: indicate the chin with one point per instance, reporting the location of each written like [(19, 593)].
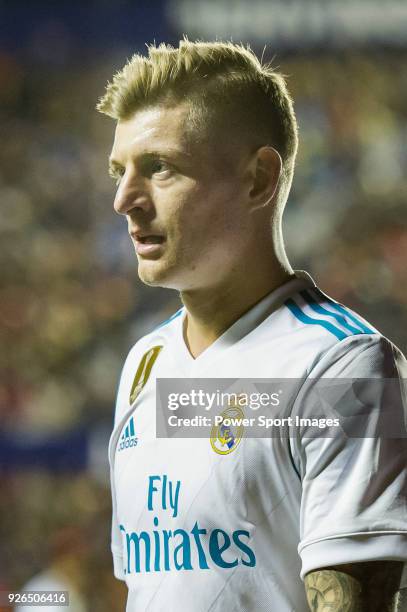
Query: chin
[(167, 278), (153, 274)]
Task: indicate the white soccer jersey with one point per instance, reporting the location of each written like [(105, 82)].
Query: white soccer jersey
[(199, 531)]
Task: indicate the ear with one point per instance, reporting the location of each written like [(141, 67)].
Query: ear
[(265, 169)]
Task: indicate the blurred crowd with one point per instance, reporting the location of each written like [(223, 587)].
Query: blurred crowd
[(70, 302), (346, 221)]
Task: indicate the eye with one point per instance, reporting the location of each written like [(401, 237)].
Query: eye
[(160, 168)]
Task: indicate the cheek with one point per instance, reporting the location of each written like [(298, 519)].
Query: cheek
[(211, 213), (203, 221), (222, 222)]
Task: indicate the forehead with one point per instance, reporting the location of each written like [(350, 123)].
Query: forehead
[(156, 127)]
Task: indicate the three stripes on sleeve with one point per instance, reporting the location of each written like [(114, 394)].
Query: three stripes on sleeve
[(315, 308)]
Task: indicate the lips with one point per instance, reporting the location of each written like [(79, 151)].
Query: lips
[(147, 245), (151, 239)]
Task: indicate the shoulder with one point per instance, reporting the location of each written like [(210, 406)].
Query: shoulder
[(144, 353), (365, 356), (335, 337), (313, 311)]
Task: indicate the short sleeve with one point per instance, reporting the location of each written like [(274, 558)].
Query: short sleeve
[(354, 489)]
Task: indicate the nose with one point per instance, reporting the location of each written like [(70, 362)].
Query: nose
[(131, 194)]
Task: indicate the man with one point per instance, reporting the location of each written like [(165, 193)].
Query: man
[(204, 154)]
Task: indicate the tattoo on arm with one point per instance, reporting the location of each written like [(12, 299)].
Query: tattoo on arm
[(332, 591), (361, 587)]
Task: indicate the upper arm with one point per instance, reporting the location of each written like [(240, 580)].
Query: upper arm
[(353, 506)]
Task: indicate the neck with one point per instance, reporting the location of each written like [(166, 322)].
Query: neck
[(212, 310)]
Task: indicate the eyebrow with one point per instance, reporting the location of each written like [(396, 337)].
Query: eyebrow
[(147, 153)]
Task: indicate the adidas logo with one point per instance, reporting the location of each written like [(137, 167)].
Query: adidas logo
[(128, 437)]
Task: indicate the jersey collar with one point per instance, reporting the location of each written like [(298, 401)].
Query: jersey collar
[(245, 324)]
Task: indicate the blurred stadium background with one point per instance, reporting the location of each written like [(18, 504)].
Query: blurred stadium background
[(70, 302)]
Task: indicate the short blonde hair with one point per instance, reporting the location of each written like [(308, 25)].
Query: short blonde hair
[(226, 85)]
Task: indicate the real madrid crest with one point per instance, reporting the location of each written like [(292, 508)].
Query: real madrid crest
[(226, 436), (143, 372)]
